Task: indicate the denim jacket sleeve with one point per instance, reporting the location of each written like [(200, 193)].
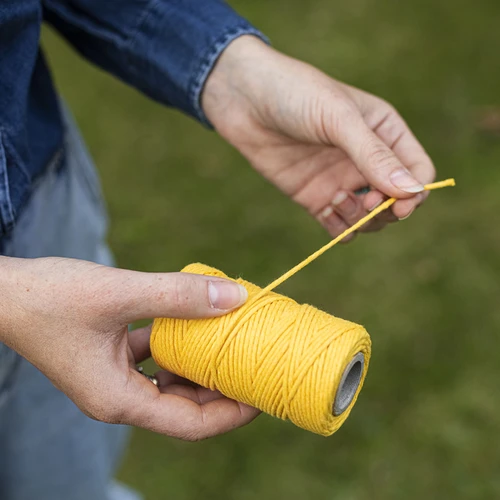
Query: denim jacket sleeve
[(165, 48)]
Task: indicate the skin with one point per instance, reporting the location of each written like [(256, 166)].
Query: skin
[(316, 139), (69, 318)]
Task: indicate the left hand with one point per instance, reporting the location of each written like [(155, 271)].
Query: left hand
[(70, 318), (315, 138)]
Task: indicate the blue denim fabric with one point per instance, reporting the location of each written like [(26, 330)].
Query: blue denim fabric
[(165, 48), (49, 449)]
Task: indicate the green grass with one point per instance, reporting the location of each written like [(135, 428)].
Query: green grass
[(428, 421)]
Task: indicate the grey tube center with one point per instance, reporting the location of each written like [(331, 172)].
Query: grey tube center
[(349, 383)]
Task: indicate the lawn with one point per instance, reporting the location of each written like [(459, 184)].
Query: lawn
[(427, 424)]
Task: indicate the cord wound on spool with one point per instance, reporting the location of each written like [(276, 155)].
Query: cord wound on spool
[(291, 361)]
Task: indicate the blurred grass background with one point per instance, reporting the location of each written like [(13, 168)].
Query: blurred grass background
[(428, 420)]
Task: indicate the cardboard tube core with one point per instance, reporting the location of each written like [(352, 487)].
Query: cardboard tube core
[(349, 384)]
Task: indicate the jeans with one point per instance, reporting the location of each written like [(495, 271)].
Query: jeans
[(49, 450)]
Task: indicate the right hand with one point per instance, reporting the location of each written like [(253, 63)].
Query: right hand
[(315, 138), (70, 319)]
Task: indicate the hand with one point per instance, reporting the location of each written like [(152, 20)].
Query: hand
[(69, 318), (315, 138)]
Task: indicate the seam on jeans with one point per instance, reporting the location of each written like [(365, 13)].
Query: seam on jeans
[(9, 380), (75, 150), (52, 166), (7, 214), (18, 161), (207, 63)]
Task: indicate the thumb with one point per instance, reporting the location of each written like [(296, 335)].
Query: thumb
[(176, 295), (377, 162)]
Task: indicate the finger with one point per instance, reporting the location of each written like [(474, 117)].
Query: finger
[(403, 210), (175, 295), (373, 199), (348, 207), (377, 162), (169, 383), (199, 395), (336, 224), (180, 417), (352, 211), (138, 341), (396, 134), (166, 378), (140, 403), (408, 149), (386, 217), (333, 223), (426, 173), (375, 225), (393, 130)]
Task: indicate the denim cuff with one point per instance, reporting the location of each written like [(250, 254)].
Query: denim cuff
[(176, 45), (165, 48), (208, 61)]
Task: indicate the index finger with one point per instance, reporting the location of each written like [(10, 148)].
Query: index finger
[(180, 417), (412, 154), (183, 418), (396, 134)]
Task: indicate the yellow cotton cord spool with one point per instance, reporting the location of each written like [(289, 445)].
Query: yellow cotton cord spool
[(274, 354), (292, 361)]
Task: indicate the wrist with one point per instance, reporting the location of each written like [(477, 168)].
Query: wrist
[(8, 306), (234, 91)]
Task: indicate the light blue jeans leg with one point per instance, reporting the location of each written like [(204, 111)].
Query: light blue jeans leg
[(49, 450)]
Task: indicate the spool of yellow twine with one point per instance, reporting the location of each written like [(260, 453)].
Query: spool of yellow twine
[(291, 361)]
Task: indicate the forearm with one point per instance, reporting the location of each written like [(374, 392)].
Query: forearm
[(164, 48)]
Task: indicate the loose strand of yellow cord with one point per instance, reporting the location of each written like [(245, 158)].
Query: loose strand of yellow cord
[(347, 232)]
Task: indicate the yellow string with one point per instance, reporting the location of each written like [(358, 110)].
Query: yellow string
[(347, 232), (272, 353)]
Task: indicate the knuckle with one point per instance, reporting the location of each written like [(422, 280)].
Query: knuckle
[(345, 108), (392, 122), (386, 106), (389, 107), (346, 114), (182, 295), (380, 157), (342, 114)]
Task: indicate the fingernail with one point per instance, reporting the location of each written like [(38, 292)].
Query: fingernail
[(327, 212), (372, 208), (406, 216), (403, 180), (344, 203), (339, 198), (224, 295)]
